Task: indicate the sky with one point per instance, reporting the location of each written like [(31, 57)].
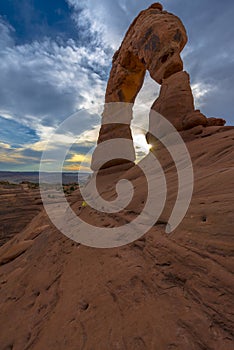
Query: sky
[(55, 59)]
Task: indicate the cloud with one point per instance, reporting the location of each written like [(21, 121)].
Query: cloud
[(47, 81), (208, 56), (9, 155), (75, 167), (200, 92), (42, 83), (76, 161), (4, 145), (6, 31), (49, 77), (77, 158)]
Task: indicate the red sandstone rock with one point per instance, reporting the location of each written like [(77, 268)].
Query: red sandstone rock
[(215, 122), (160, 292), (175, 101), (15, 251), (176, 104), (194, 119), (153, 42)]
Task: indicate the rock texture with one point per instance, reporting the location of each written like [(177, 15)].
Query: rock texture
[(153, 42), (161, 292), (176, 103), (18, 206)]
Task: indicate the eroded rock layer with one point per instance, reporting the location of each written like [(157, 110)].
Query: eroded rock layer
[(153, 42), (163, 291)]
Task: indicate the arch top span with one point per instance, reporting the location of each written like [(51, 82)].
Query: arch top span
[(152, 43)]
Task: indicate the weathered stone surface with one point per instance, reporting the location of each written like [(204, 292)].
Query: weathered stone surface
[(122, 113), (153, 42), (176, 104), (15, 251), (194, 119), (18, 205), (161, 290), (215, 122), (175, 101)]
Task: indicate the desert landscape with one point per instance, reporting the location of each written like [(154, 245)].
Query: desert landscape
[(161, 291)]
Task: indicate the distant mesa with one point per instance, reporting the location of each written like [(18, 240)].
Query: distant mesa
[(153, 42)]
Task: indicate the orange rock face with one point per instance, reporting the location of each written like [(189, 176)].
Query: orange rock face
[(176, 104), (153, 42), (175, 101), (158, 291)]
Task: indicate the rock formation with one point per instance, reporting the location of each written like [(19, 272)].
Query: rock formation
[(163, 291), (18, 205), (175, 102), (153, 42), (160, 292)]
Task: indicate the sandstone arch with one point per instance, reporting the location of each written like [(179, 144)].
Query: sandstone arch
[(153, 42)]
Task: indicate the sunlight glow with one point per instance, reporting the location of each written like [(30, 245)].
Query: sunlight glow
[(141, 143)]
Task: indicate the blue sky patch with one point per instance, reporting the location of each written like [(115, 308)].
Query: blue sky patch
[(16, 134), (34, 19)]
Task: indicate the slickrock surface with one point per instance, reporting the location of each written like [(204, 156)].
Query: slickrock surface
[(161, 292), (18, 206)]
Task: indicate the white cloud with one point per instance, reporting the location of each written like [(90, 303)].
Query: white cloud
[(200, 92), (108, 19), (4, 145), (6, 31), (89, 136), (44, 82), (144, 102)]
